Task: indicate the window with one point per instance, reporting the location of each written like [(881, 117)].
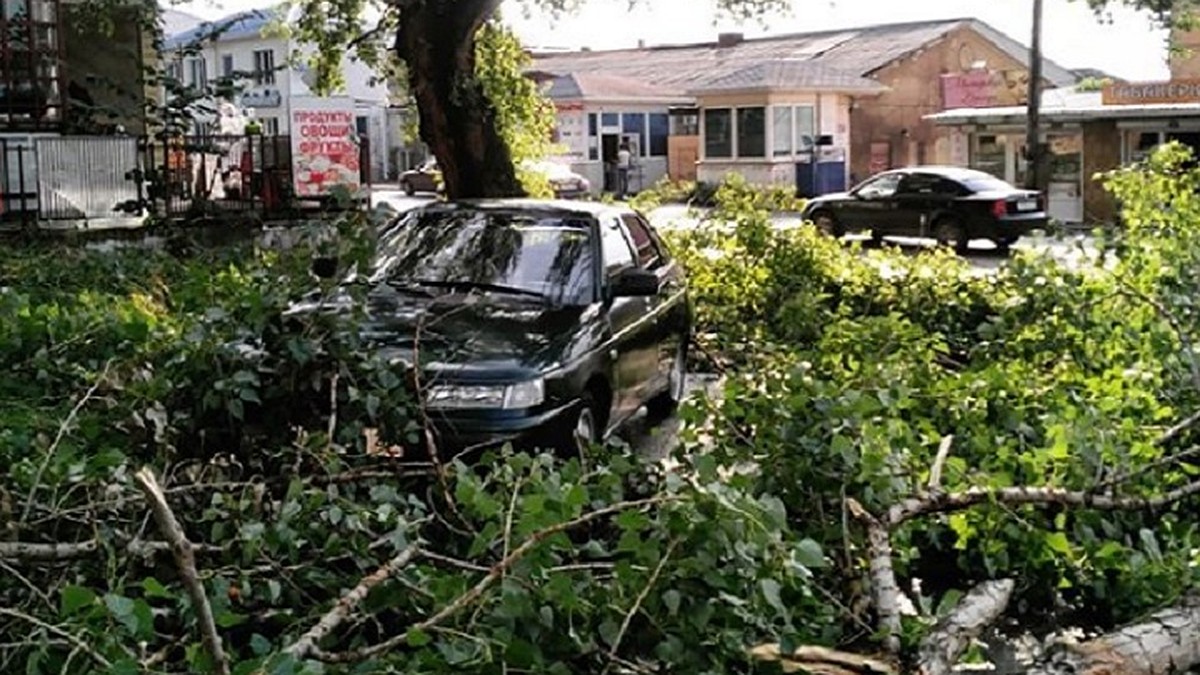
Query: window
[(781, 130), (264, 66), (752, 132), (175, 72), (685, 124), (718, 134), (197, 73), (270, 126), (660, 129), (618, 257), (610, 119), (880, 187), (362, 125), (924, 183), (634, 124), (649, 257), (593, 125), (806, 128), (227, 65)]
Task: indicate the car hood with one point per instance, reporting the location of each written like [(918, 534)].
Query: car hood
[(460, 336)]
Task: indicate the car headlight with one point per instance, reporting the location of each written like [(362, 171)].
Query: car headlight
[(481, 397)]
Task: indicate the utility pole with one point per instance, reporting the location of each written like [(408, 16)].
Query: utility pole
[(1033, 139)]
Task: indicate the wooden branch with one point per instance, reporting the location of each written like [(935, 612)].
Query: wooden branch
[(75, 641), (884, 588), (939, 463), (350, 602), (59, 552), (822, 661), (637, 603), (185, 560), (1179, 429), (941, 649), (942, 503), (1166, 642), (497, 571)]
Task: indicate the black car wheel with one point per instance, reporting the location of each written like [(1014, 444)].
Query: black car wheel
[(950, 233), (1003, 245), (408, 188), (664, 405), (579, 431), (827, 224)]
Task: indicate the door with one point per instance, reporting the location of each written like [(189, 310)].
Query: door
[(919, 197), (872, 204), (609, 146), (668, 309), (631, 346)]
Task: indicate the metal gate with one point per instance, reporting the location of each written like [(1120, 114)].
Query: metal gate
[(86, 177)]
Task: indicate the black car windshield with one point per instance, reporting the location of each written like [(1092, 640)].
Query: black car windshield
[(490, 251)]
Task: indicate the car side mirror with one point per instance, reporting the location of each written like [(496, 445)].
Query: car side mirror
[(635, 283), (325, 267)]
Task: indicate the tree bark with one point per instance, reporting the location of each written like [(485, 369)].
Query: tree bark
[(985, 603), (436, 41)]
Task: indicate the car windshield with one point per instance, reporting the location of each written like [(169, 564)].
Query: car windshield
[(503, 252)]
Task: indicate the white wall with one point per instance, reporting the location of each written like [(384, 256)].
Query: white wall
[(781, 173)]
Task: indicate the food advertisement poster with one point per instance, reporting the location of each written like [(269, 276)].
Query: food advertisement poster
[(325, 149)]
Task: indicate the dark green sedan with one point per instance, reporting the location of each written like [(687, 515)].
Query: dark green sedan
[(541, 322)]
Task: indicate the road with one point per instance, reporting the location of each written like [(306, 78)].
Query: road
[(1071, 250)]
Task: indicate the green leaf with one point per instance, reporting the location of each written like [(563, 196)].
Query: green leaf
[(809, 554), (1057, 541), (153, 589), (771, 590), (260, 645), (74, 598), (417, 638), (671, 601), (122, 609)]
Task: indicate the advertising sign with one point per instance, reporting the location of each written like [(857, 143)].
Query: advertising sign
[(325, 149), (1151, 93)]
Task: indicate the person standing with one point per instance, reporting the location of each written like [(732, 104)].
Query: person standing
[(624, 161)]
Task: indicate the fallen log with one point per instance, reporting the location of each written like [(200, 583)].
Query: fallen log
[(941, 649), (1168, 641)]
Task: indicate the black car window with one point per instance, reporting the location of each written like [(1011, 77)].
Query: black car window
[(618, 256), (880, 187), (648, 253), (918, 184), (542, 254)]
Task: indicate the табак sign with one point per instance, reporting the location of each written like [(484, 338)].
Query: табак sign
[(325, 150)]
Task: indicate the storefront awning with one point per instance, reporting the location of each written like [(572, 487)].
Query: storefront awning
[(1065, 106)]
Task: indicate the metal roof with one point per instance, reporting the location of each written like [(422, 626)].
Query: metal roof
[(857, 51), (1064, 105), (789, 75), (598, 86), (249, 24)]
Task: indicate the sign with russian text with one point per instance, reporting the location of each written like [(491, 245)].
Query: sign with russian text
[(325, 149), (1151, 93), (968, 90)]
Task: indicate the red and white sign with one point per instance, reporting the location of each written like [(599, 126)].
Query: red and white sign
[(325, 149), (968, 90)]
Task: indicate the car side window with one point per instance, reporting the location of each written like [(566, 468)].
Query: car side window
[(649, 255), (618, 256), (919, 184), (882, 187), (950, 188)]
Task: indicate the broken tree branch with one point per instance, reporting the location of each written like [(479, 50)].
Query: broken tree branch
[(1168, 641), (822, 661), (57, 552), (637, 603), (939, 463), (884, 587), (349, 602), (1179, 429), (497, 571), (941, 649), (50, 628), (915, 507), (185, 560)]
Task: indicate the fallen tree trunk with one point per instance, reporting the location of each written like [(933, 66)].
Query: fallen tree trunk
[(1166, 642), (941, 649)]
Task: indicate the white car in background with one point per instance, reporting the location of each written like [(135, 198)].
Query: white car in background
[(566, 183)]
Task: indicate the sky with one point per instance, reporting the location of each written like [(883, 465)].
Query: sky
[(1125, 44)]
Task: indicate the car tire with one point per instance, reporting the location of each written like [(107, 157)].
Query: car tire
[(950, 233), (665, 404), (1004, 245), (826, 223), (408, 188), (581, 429)]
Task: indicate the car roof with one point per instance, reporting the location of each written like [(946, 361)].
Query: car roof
[(953, 172), (562, 207)]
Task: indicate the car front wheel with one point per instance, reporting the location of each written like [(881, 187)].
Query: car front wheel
[(580, 430), (827, 224), (950, 233), (408, 188)]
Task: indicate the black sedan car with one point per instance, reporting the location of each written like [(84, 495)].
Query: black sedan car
[(541, 321), (950, 204)]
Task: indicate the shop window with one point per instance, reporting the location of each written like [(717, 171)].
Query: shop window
[(781, 131), (989, 155), (610, 120), (806, 128), (752, 132), (660, 129), (718, 133), (593, 126), (685, 124)]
